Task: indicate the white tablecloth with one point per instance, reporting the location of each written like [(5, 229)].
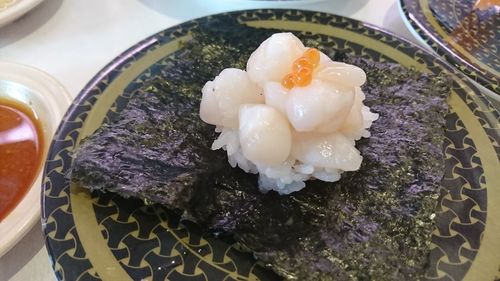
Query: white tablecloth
[(72, 40)]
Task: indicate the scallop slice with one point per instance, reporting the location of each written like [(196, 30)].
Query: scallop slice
[(273, 59), (276, 96), (342, 73), (353, 126), (209, 108), (223, 97), (323, 60), (330, 151), (368, 119), (338, 110), (265, 135), (359, 119), (318, 106)]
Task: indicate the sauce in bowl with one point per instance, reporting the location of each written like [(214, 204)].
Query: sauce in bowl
[(21, 152)]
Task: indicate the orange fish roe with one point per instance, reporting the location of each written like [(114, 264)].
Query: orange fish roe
[(288, 81), (313, 55), (301, 63), (302, 70), (303, 77)]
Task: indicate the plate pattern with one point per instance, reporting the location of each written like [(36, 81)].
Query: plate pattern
[(467, 39), (163, 247), (153, 244), (462, 206)]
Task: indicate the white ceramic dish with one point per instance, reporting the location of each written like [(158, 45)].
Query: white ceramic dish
[(13, 9), (49, 100)]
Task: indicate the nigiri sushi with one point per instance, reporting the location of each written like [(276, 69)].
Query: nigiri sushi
[(293, 114)]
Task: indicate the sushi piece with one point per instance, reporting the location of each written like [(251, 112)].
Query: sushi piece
[(293, 115)]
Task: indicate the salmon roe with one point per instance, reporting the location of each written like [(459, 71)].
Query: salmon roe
[(313, 55), (288, 81), (303, 77), (302, 70), (301, 63)]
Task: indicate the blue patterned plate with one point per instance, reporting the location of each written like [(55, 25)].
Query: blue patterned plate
[(466, 37), (93, 236)]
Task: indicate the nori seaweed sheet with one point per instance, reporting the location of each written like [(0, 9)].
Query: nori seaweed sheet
[(374, 224), (157, 149)]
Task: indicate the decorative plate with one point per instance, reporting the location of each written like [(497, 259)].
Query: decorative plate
[(466, 37), (94, 236)]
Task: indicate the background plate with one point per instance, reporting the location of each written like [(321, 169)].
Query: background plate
[(10, 10), (467, 39), (92, 236)]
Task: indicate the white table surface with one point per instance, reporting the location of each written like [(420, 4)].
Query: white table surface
[(72, 40)]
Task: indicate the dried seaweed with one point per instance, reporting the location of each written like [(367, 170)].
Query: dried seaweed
[(157, 149)]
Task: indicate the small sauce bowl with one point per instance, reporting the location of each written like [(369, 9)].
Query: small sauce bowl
[(48, 100)]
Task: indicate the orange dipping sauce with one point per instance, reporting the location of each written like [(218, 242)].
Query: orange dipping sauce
[(21, 152)]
